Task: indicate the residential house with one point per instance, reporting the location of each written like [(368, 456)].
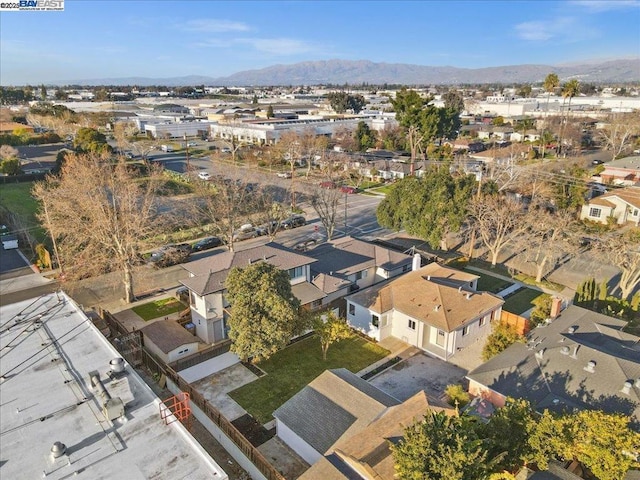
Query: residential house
[(623, 171), (207, 292), (496, 133), (169, 341), (347, 264), (622, 204), (578, 360), (341, 425), (435, 308)]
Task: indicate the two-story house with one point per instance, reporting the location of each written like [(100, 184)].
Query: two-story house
[(622, 205), (434, 308), (207, 291)]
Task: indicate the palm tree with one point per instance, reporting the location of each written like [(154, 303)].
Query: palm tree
[(551, 82), (569, 90)]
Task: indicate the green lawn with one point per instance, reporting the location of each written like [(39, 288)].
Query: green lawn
[(386, 189), (489, 283), (17, 199), (289, 370), (158, 308), (521, 301)]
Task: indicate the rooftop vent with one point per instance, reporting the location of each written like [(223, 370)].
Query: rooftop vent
[(112, 408), (468, 295), (626, 388), (637, 382), (591, 366), (572, 329), (58, 449), (540, 353), (436, 308), (565, 350), (117, 365)]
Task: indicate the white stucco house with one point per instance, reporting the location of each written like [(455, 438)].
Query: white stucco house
[(434, 308), (622, 205), (207, 291)]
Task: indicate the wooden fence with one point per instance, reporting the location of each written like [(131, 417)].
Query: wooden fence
[(158, 367), (201, 356), (521, 324)]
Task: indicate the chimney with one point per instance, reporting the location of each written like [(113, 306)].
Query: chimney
[(556, 307), (591, 366), (417, 262)]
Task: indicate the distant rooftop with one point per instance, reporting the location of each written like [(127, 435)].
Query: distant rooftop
[(48, 347)]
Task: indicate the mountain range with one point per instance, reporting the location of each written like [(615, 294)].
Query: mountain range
[(356, 72)]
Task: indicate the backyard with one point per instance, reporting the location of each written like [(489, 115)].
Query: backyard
[(158, 308), (17, 199), (289, 370), (521, 300), (489, 283)]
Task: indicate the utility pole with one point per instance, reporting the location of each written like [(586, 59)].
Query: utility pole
[(473, 231), (186, 144), (345, 212)]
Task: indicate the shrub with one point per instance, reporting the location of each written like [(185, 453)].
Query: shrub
[(541, 311), (457, 396), (503, 336)]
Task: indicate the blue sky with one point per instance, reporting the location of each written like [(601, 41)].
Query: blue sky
[(163, 38)]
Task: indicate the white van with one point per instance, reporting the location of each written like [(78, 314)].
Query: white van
[(166, 148)]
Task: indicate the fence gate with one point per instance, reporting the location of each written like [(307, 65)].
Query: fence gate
[(130, 346)]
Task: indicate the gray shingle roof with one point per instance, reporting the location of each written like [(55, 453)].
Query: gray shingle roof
[(550, 369), (349, 255), (330, 405), (307, 292)]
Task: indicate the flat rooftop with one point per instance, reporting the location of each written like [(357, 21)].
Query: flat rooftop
[(48, 347)]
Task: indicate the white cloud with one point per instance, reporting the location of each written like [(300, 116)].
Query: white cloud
[(562, 28), (604, 5), (271, 46), (213, 25)]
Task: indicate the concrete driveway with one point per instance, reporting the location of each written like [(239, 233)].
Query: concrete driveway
[(417, 373)]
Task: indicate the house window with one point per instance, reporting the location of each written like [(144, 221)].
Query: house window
[(316, 304), (595, 212), (358, 276), (412, 324), (375, 321), (296, 272), (192, 298), (352, 309), (406, 268), (482, 321), (440, 338), (635, 212), (465, 330)]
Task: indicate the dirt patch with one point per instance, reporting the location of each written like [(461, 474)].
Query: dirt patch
[(252, 430)]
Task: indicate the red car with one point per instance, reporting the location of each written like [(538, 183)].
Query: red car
[(348, 189)]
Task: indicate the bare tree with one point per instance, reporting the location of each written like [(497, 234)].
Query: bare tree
[(226, 205), (325, 202), (548, 239), (622, 249), (7, 152), (620, 131), (498, 221), (99, 213), (289, 148)]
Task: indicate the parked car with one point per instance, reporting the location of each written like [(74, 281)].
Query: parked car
[(182, 294), (284, 174), (204, 175), (245, 232), (267, 228), (171, 254), (225, 150), (192, 144), (206, 244), (294, 221), (597, 162), (348, 189)]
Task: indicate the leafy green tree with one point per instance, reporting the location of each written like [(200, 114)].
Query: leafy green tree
[(43, 92), (602, 442), (330, 329), (502, 336), (551, 82), (441, 447), (364, 136), (428, 207), (270, 111), (263, 310), (342, 102), (408, 105), (456, 395), (568, 193), (10, 166), (91, 140), (541, 311), (507, 434)]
